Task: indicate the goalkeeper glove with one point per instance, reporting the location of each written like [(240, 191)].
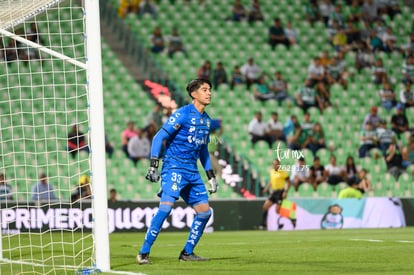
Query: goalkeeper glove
[(153, 175), (212, 181)]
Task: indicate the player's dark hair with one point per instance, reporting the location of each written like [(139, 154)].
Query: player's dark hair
[(195, 84)]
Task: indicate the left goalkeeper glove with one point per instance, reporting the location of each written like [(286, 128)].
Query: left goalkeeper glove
[(212, 181)]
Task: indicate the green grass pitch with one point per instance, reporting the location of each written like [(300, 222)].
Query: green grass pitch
[(346, 251)]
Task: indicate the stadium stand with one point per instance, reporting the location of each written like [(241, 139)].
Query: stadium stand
[(208, 36)]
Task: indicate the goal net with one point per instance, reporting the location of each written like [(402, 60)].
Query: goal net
[(52, 166)]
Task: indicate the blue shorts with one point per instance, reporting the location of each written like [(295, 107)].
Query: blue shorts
[(190, 186)]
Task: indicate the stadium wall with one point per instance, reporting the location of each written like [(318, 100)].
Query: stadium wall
[(227, 215)]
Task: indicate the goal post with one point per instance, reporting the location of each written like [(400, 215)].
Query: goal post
[(51, 80)]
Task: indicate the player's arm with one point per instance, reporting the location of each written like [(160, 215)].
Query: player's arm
[(153, 175), (206, 162), (169, 128)]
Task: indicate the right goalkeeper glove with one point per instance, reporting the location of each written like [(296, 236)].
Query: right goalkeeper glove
[(153, 175)]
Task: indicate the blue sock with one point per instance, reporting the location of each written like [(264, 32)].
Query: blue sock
[(155, 227), (196, 231)]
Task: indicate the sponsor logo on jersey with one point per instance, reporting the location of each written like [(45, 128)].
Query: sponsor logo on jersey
[(171, 120), (177, 126), (193, 120), (174, 187), (192, 129)]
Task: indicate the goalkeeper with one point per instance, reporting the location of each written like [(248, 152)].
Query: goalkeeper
[(186, 136)]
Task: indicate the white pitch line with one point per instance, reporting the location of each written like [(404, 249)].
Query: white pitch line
[(368, 240), (405, 241)]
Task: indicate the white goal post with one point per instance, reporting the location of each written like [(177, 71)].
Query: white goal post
[(51, 80)]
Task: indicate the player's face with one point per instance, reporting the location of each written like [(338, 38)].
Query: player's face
[(203, 94)]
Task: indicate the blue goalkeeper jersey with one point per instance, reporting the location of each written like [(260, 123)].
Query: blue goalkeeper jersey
[(188, 132)]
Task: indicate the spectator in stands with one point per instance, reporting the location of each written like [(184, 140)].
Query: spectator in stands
[(350, 170), (279, 186), (205, 70), (331, 32), (389, 40), (127, 6), (333, 172), (387, 96), (408, 154), (337, 16), (255, 12), (364, 31), (31, 53), (408, 69), (291, 34), (43, 190), (139, 147), (368, 140), (238, 11), (317, 77), (126, 135), (355, 11), (279, 88), (364, 58), (352, 33), (251, 72), (11, 51), (300, 174), (82, 189), (112, 196), (109, 148), (407, 95), (307, 124), (336, 71), (380, 28), (300, 138), (261, 90), (390, 7), (290, 128), (408, 49), (340, 41), (325, 59), (175, 43), (312, 12), (153, 121), (76, 141), (157, 41), (237, 77), (385, 136), (147, 6), (370, 10), (6, 192), (275, 128), (277, 34), (379, 73), (317, 138), (316, 173), (399, 121), (307, 97), (394, 161), (372, 117), (219, 75), (374, 42), (325, 9), (352, 191), (364, 184), (258, 130)]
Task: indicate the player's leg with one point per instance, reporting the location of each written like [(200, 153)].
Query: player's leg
[(169, 195), (196, 196)]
